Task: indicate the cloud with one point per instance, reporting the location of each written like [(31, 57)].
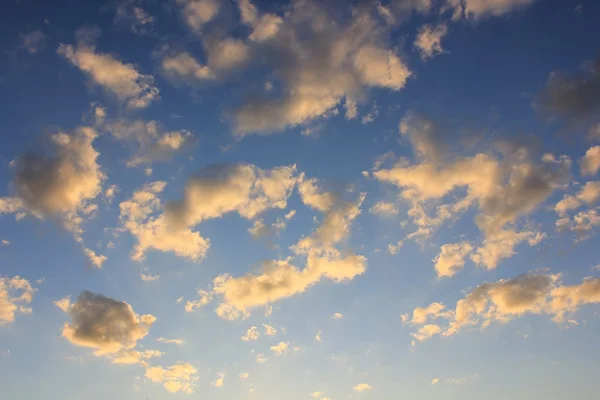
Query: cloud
[(590, 162), (251, 334), (198, 13), (104, 324), (219, 382), (135, 18), (96, 259), (177, 342), (316, 66), (180, 377), (572, 97), (384, 208), (318, 337), (130, 357), (15, 294), (149, 278), (205, 298), (280, 349), (506, 299), (244, 376), (429, 40), (451, 258), (337, 315), (122, 80), (61, 185), (269, 330), (33, 42), (504, 187), (478, 9), (261, 359), (154, 142), (589, 194), (362, 387)]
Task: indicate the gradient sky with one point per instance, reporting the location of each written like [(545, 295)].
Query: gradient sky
[(237, 199)]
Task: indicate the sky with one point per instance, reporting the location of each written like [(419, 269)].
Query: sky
[(244, 199)]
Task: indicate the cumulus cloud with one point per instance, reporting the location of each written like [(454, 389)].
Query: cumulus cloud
[(244, 376), (15, 295), (269, 330), (198, 13), (281, 348), (130, 357), (154, 142), (251, 334), (337, 315), (104, 324), (177, 342), (205, 297), (280, 279), (135, 18), (589, 194), (122, 80), (180, 377), (317, 62), (451, 258), (590, 162), (506, 299), (429, 40), (219, 382), (504, 186), (573, 97), (362, 387), (384, 208)]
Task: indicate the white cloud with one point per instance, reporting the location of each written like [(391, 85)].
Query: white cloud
[(261, 359), (317, 65), (198, 13), (122, 80), (180, 377), (269, 330), (429, 40), (15, 294), (205, 298), (451, 258), (219, 382), (590, 163), (104, 324), (337, 315), (244, 376), (435, 381), (318, 337), (96, 259), (506, 299), (177, 342), (149, 278), (251, 334), (362, 387), (280, 349), (384, 208)]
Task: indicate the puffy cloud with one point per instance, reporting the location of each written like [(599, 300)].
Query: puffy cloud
[(280, 349), (219, 382), (135, 357), (244, 376), (15, 294), (503, 186), (154, 142), (573, 97), (154, 232), (104, 324), (184, 67), (251, 334), (269, 330), (64, 304), (506, 299), (362, 387), (478, 9), (198, 13), (149, 278), (33, 42), (501, 245), (318, 337), (590, 162), (429, 40), (451, 258), (314, 196), (122, 80), (317, 61), (180, 377), (435, 381), (62, 185), (261, 359), (337, 315), (384, 208), (205, 298), (589, 194)]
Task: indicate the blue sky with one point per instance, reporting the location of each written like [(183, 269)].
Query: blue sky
[(262, 200)]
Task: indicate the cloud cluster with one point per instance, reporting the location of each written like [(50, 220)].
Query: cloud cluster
[(62, 185), (104, 324), (214, 191), (478, 9), (504, 300), (133, 89), (429, 40), (15, 294), (180, 377), (280, 279), (504, 185)]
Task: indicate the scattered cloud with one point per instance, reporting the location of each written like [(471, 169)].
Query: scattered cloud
[(15, 295), (251, 334), (280, 349), (362, 387), (429, 40), (205, 298), (180, 377), (33, 42)]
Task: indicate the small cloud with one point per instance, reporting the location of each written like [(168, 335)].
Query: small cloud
[(177, 342), (251, 334), (33, 42), (64, 303), (280, 349), (269, 330), (219, 382), (361, 387), (149, 278), (435, 381), (244, 376), (318, 337), (261, 359), (5, 242), (337, 315)]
